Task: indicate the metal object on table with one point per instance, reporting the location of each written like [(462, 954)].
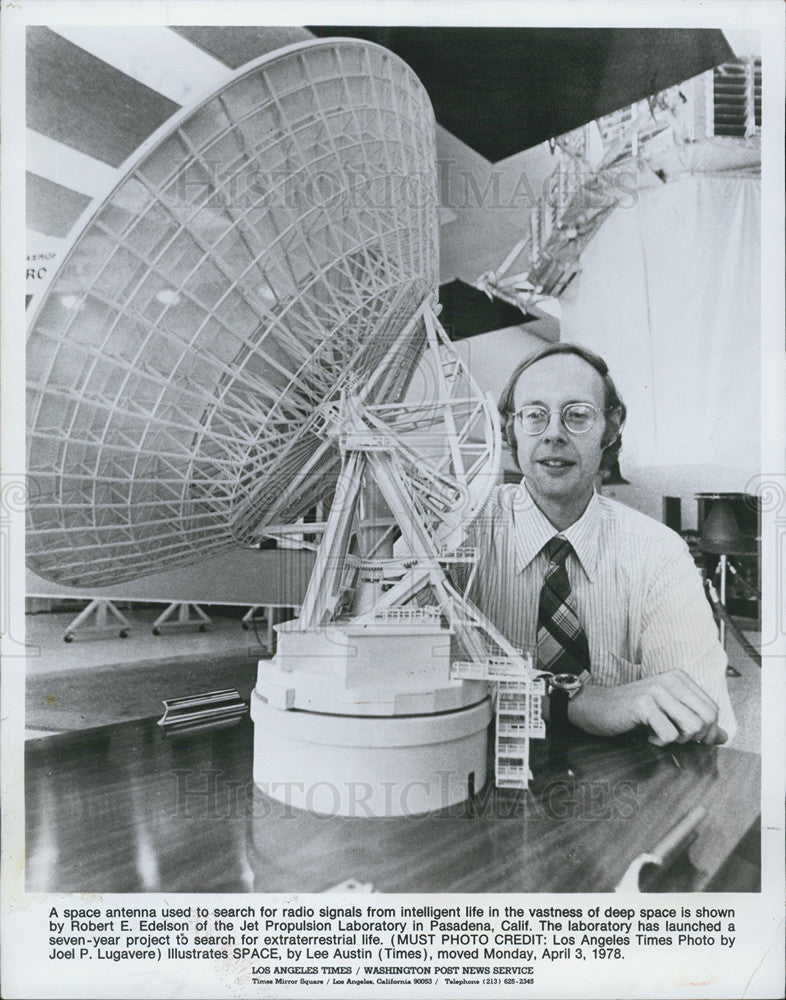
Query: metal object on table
[(194, 713), (663, 855), (666, 754)]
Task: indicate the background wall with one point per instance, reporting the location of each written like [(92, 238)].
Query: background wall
[(669, 294)]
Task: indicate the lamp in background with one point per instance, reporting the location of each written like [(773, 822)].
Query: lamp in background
[(721, 536), (720, 531)]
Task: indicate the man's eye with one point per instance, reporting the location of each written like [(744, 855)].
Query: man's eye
[(579, 414)]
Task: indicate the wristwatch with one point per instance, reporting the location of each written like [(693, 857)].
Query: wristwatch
[(562, 688)]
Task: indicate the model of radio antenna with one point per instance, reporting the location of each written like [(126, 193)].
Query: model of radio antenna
[(246, 332)]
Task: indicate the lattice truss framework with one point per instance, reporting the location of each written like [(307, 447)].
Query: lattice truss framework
[(432, 456), (266, 250)]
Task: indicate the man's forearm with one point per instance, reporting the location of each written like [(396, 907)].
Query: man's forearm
[(671, 705)]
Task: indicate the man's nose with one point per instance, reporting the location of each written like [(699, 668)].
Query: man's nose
[(555, 429)]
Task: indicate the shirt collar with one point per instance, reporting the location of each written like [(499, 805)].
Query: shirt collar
[(532, 529)]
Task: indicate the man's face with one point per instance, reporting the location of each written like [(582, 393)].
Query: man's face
[(560, 467)]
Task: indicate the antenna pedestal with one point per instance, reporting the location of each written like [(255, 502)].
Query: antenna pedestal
[(366, 720), (371, 766)]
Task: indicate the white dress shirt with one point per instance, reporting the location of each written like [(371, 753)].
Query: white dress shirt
[(636, 589)]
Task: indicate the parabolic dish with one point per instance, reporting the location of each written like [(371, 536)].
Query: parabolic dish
[(261, 255)]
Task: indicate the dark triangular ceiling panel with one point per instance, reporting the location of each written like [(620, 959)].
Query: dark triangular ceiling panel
[(502, 90), (466, 311)]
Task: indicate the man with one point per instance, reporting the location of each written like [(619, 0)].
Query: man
[(623, 606)]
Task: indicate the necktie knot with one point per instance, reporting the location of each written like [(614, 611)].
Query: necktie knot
[(557, 550)]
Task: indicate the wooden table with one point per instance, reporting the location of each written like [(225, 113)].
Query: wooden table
[(124, 809)]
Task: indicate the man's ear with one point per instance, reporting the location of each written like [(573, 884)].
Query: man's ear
[(614, 422)]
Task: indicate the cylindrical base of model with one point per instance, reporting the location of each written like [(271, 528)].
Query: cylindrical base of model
[(369, 766)]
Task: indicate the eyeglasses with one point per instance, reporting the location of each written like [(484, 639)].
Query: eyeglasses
[(578, 418)]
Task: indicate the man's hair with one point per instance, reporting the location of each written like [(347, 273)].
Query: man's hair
[(612, 398)]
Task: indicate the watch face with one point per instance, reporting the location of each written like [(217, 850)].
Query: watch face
[(567, 682)]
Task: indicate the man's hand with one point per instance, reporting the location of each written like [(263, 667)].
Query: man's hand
[(672, 705)]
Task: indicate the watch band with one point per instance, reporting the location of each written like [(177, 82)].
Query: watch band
[(562, 687), (558, 710)]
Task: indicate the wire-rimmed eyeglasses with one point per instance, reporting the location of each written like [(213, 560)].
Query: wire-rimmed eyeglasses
[(578, 418)]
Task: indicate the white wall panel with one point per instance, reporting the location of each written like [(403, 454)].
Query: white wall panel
[(155, 56), (669, 294)]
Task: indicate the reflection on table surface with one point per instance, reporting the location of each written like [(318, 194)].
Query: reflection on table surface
[(124, 809)]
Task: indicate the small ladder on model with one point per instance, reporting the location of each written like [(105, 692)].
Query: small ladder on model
[(518, 717), (518, 720)]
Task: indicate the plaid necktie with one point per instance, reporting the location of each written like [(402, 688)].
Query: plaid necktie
[(562, 642)]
